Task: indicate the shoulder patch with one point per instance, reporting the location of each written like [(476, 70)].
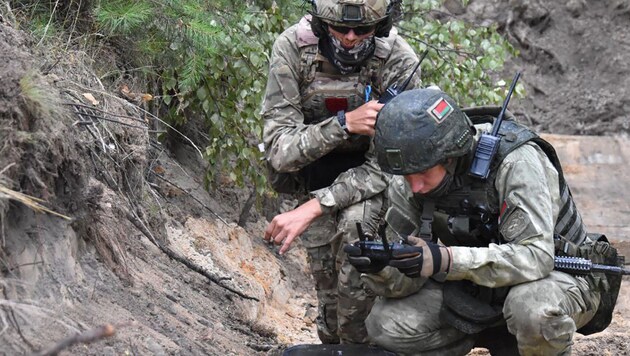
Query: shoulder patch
[(516, 226)]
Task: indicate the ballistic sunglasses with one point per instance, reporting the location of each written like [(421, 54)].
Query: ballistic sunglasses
[(359, 30)]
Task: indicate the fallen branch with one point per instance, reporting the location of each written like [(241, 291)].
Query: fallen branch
[(104, 111), (7, 167), (112, 120), (85, 337), (136, 107), (193, 197), (172, 254), (31, 202)]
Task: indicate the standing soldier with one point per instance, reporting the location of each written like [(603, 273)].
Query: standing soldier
[(326, 74), (497, 239)]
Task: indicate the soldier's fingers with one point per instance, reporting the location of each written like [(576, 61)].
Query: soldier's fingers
[(279, 237), (360, 261), (415, 241), (287, 244), (269, 230), (352, 250)]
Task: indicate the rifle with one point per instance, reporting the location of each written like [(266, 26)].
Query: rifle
[(393, 90), (382, 251), (489, 143), (582, 266)]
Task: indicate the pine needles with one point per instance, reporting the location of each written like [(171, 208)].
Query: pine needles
[(122, 17)]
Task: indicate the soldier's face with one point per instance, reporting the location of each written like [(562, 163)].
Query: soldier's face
[(423, 182), (348, 37)]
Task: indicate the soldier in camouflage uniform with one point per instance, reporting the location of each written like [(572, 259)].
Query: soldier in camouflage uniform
[(326, 74), (492, 268)]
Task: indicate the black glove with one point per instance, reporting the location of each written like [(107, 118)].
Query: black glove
[(420, 258), (363, 264)]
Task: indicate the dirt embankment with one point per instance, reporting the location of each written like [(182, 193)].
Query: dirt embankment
[(149, 251), (145, 248), (575, 59)]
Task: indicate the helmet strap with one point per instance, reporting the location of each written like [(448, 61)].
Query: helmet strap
[(451, 165)]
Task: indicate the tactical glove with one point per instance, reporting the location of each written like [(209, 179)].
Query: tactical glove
[(362, 263), (421, 258)]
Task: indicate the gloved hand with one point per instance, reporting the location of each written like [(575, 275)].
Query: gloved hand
[(421, 258), (363, 264)]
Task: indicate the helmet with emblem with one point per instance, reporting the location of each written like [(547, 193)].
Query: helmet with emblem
[(353, 13), (419, 129)]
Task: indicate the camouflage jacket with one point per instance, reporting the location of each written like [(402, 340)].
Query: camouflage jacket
[(528, 183), (293, 140)]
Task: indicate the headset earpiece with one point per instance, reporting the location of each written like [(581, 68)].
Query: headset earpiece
[(317, 25), (383, 27)]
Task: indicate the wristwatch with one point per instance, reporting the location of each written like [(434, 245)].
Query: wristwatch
[(341, 118)]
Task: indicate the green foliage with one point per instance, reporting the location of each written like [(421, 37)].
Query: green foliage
[(464, 60), (210, 60), (121, 17)]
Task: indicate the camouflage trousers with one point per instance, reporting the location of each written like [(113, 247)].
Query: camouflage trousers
[(344, 303), (543, 315)]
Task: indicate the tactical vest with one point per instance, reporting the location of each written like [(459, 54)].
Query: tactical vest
[(469, 217), (325, 91), (469, 214)]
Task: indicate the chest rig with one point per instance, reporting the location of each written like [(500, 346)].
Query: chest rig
[(325, 91), (469, 214)]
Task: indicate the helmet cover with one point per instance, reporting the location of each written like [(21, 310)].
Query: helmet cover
[(351, 12), (419, 129)]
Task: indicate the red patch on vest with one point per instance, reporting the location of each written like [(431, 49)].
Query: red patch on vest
[(336, 104)]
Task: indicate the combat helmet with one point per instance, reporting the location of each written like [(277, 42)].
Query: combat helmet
[(353, 13), (419, 129)]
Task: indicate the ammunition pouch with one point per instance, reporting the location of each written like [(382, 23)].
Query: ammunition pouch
[(600, 251), (471, 308)]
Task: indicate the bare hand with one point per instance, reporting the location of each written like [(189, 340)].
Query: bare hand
[(361, 120), (284, 228)]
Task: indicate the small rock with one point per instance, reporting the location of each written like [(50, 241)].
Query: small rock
[(455, 7), (310, 315), (172, 297), (576, 7), (155, 348), (108, 351), (219, 326)]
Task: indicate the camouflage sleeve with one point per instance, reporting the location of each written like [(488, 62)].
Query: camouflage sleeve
[(353, 185), (289, 143), (404, 213), (527, 184), (367, 180), (399, 66)]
